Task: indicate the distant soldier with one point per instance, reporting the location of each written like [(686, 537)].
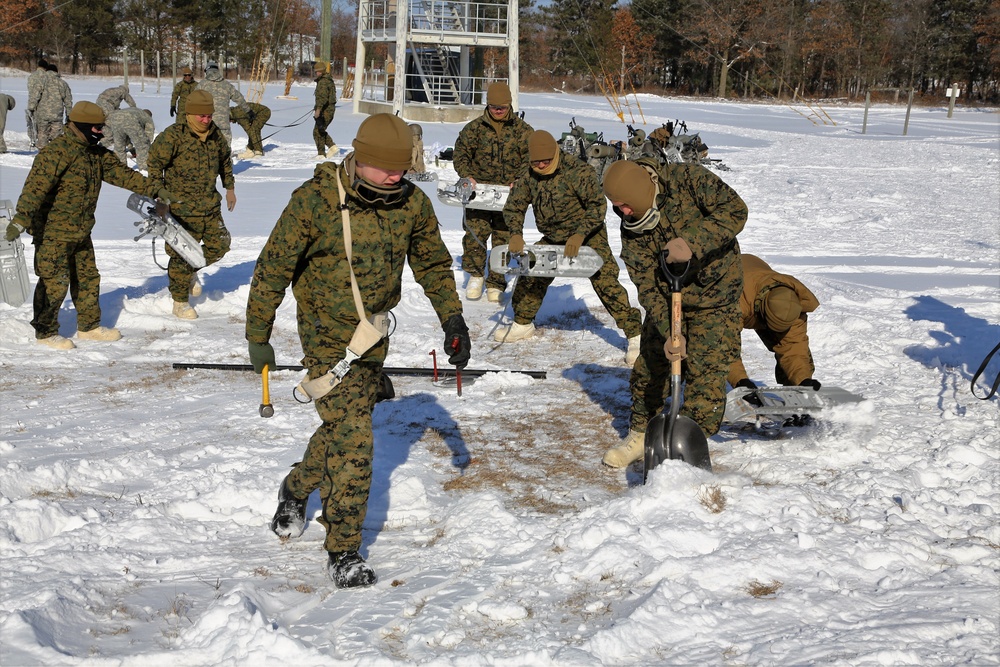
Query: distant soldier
[(418, 149), (34, 91), (222, 93), (112, 98), (774, 305), (569, 206), (182, 89), (67, 94), (6, 104), (189, 159), (50, 107), (324, 109), (492, 148), (252, 124), (56, 207), (131, 126)]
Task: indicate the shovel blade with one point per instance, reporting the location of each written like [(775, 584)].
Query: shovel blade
[(685, 442)]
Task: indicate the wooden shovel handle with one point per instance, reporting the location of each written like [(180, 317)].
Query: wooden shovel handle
[(675, 330)]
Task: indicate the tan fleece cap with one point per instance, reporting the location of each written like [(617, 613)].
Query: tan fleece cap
[(498, 94), (541, 146), (87, 112), (781, 308), (385, 141), (199, 103)]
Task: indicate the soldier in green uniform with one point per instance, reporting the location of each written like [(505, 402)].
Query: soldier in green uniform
[(391, 223), (56, 207), (252, 122), (324, 110), (492, 148), (690, 214), (179, 96), (569, 210), (188, 159)]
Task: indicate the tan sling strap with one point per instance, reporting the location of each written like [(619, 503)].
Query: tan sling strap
[(366, 336)]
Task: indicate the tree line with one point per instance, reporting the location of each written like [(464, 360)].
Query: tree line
[(725, 48)]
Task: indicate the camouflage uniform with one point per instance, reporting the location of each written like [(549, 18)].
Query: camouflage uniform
[(568, 202), (697, 206), (188, 167), (57, 206), (793, 360), (35, 80), (306, 250), (179, 97), (112, 98), (496, 153), (51, 103), (261, 114), (222, 93), (326, 107), (133, 126), (6, 104)]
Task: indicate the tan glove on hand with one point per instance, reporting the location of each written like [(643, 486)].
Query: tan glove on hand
[(230, 199), (516, 244), (573, 244), (675, 353), (678, 251)]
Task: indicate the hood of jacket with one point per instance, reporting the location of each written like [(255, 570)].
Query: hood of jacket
[(214, 74)]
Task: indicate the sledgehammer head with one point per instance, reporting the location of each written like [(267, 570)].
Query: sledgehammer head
[(266, 410)]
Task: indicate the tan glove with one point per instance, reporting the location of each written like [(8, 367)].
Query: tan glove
[(315, 113), (573, 244), (230, 199), (675, 353), (678, 251), (516, 244)]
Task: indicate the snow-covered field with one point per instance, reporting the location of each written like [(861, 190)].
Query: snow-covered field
[(134, 498)]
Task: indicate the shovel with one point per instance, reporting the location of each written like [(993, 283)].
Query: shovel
[(674, 437)]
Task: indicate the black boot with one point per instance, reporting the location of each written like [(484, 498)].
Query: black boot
[(348, 570), (290, 517)]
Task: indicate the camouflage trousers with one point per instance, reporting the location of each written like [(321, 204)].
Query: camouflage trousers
[(221, 120), (253, 129), (63, 266), (480, 227), (338, 459), (529, 292), (215, 239), (123, 138), (713, 343), (320, 136), (47, 130)]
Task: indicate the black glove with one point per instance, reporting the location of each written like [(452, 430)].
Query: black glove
[(261, 354), (752, 399), (456, 341), (809, 382), (250, 117), (173, 111)]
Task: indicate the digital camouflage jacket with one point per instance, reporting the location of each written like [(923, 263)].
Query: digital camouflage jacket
[(306, 250), (790, 348), (699, 207), (567, 202), (493, 152), (326, 94), (59, 197), (188, 167), (178, 98)]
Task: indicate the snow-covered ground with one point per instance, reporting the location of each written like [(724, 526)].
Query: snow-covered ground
[(134, 497)]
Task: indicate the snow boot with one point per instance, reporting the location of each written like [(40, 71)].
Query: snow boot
[(514, 332), (349, 570), (184, 311), (631, 450), (195, 286), (100, 333), (290, 518), (474, 289), (57, 342), (493, 294), (633, 350)]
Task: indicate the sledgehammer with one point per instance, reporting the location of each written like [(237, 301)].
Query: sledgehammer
[(266, 409)]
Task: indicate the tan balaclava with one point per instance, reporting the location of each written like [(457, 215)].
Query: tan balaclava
[(199, 103), (542, 146)]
